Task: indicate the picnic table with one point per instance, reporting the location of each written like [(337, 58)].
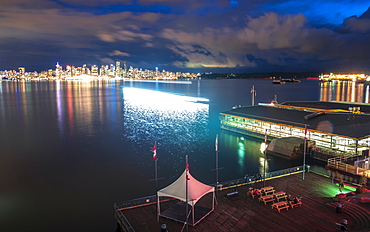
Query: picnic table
[(266, 199), (280, 195), (252, 194), (232, 194), (292, 203), (267, 190), (280, 205)]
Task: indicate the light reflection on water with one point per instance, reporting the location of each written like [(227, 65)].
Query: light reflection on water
[(348, 91), (178, 122)]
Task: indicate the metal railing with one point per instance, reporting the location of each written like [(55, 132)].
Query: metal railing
[(122, 220), (259, 177), (344, 163), (149, 200)]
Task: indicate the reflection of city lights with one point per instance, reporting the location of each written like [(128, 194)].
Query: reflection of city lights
[(262, 165), (241, 153), (344, 91), (263, 147)]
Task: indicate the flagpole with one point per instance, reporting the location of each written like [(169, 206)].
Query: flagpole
[(264, 161), (304, 150), (216, 163), (154, 150), (156, 167)]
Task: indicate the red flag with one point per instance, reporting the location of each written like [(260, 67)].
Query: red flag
[(305, 133), (154, 150), (265, 138)]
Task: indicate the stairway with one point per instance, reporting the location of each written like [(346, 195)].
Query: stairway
[(359, 216)]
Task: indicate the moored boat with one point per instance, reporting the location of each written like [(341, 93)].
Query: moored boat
[(278, 82)]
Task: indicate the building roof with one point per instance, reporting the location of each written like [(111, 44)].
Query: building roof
[(340, 118)]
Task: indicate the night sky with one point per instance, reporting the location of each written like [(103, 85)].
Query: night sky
[(191, 35)]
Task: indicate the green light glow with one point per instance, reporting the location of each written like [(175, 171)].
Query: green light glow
[(241, 153), (331, 190)]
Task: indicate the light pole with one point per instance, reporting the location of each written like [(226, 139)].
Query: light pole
[(264, 161), (304, 150), (253, 92)]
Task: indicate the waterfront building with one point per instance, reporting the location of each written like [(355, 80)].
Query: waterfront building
[(336, 126), (343, 77)]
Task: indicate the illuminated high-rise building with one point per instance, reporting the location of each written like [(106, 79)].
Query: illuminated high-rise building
[(124, 71), (102, 71), (50, 73), (21, 72), (84, 70), (68, 70), (58, 70), (118, 69), (111, 70), (94, 70)]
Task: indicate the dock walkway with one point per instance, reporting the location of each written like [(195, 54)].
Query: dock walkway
[(243, 213)]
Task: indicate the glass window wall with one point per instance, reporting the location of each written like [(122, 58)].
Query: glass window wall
[(277, 130)]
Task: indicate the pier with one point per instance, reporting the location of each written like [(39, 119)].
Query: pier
[(244, 213)]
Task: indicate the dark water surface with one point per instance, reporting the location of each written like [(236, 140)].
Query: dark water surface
[(69, 150)]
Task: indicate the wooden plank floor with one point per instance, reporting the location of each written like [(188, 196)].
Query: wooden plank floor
[(242, 213)]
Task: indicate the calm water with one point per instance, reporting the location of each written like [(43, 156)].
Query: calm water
[(69, 150)]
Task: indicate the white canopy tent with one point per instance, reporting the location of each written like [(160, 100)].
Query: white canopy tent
[(195, 191)]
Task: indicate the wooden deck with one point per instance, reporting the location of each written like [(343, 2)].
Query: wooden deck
[(243, 213)]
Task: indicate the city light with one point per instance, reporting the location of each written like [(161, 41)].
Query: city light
[(112, 71)]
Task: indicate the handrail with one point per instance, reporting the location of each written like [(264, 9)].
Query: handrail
[(339, 163), (123, 220), (223, 185), (149, 200)]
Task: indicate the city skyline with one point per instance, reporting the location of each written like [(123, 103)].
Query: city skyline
[(188, 36), (116, 70)]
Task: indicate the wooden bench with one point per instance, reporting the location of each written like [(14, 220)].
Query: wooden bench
[(267, 190), (232, 194), (280, 195), (292, 204), (280, 205), (251, 193), (266, 199)]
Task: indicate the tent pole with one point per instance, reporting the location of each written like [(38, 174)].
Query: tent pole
[(304, 151), (213, 201), (192, 209), (216, 162), (186, 189), (158, 208)]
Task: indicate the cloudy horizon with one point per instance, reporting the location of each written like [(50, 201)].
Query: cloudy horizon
[(193, 35)]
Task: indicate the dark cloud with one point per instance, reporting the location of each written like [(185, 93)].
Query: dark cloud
[(186, 35)]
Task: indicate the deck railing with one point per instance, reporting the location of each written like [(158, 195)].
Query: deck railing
[(122, 220), (259, 177), (124, 205), (344, 163), (121, 206)]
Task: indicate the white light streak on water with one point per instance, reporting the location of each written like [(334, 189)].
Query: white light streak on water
[(158, 116)]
